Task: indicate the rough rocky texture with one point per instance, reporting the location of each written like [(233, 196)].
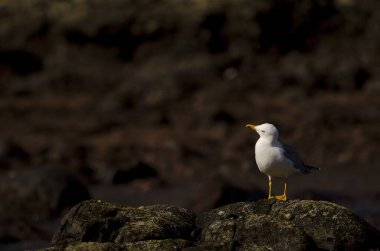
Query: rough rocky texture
[(292, 225), (149, 245), (95, 221), (261, 225)]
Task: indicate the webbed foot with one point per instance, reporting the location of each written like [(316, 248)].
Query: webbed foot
[(281, 197)]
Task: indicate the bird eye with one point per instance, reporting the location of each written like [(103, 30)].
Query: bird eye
[(263, 131)]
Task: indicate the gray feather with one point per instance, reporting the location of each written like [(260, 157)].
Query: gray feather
[(294, 157)]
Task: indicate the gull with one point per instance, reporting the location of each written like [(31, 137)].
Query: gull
[(276, 159)]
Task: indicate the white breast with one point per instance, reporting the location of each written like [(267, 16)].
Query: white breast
[(271, 160)]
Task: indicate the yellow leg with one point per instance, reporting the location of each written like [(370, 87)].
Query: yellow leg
[(283, 197), (270, 188)]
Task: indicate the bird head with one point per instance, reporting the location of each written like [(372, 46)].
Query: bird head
[(266, 131)]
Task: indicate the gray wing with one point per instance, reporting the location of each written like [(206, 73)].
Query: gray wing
[(293, 156)]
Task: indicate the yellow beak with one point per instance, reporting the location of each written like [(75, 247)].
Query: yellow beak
[(251, 126)]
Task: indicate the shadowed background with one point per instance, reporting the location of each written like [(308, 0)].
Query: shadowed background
[(142, 102)]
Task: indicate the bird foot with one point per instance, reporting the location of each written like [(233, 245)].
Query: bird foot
[(281, 197), (270, 197)]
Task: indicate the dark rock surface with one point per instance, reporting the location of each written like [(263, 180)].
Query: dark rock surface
[(96, 221), (292, 225), (261, 225)]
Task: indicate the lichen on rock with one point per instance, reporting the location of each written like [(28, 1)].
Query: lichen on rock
[(259, 226), (291, 225), (96, 221)]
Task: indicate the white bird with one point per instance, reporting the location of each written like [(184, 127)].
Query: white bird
[(276, 159)]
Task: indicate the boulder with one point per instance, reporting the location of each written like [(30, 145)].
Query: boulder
[(291, 225), (171, 244), (260, 225), (96, 221)]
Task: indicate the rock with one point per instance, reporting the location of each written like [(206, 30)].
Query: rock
[(244, 224), (292, 225), (260, 226), (89, 246), (172, 244), (95, 221), (331, 227)]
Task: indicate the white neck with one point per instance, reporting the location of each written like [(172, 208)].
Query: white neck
[(271, 140)]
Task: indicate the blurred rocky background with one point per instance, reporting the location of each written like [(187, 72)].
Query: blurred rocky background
[(145, 101)]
